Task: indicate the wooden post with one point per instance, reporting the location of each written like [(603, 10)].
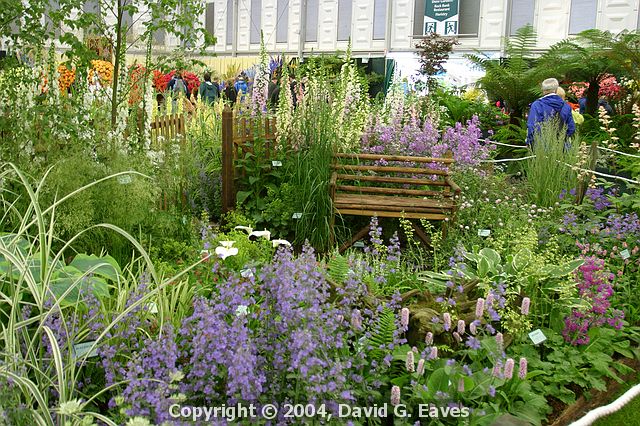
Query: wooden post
[(228, 190)]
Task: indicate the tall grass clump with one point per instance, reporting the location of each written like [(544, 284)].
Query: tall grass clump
[(317, 139), (52, 298), (552, 168)]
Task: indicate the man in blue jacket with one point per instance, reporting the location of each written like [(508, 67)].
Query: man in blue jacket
[(548, 107)]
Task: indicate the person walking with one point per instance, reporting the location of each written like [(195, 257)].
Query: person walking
[(230, 92), (208, 91), (549, 106)]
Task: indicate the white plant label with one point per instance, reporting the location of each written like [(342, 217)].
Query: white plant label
[(359, 244), (537, 336), (80, 349), (296, 216), (246, 273), (124, 179), (276, 163), (153, 308), (624, 254), (484, 232)]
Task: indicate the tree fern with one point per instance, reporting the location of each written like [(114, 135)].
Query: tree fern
[(514, 80)]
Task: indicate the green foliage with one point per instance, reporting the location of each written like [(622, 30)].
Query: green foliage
[(551, 170), (382, 335), (515, 80), (338, 268)]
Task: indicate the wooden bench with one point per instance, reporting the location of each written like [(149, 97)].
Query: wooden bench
[(393, 186)]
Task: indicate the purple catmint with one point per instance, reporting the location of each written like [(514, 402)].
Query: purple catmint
[(524, 308), (500, 341), (461, 327), (479, 307), (446, 317), (428, 339), (410, 363), (508, 368), (492, 391), (404, 318), (395, 395), (420, 368), (522, 372)]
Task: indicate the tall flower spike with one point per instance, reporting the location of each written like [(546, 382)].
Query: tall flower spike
[(479, 307), (461, 327), (522, 372), (404, 318), (428, 339), (420, 368), (500, 341), (395, 395), (447, 321), (434, 353), (524, 308), (410, 363), (508, 368)]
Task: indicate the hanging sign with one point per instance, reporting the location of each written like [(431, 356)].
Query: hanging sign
[(441, 17)]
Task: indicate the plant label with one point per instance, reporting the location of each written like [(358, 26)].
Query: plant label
[(124, 179), (537, 336), (359, 244), (624, 254), (81, 349), (484, 232), (246, 273), (276, 163), (153, 308), (296, 216)]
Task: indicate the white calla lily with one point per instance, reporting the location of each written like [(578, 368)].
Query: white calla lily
[(277, 243), (247, 229), (226, 249), (258, 234), (227, 244)]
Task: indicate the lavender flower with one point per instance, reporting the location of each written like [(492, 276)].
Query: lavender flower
[(492, 391), (473, 343)]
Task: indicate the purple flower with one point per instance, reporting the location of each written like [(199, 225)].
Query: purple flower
[(434, 353), (492, 391), (524, 308), (473, 343)]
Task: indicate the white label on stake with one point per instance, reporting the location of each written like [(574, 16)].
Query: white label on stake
[(80, 349), (296, 216), (153, 308), (246, 273), (537, 336), (624, 254), (124, 179), (276, 163), (359, 244), (484, 232)]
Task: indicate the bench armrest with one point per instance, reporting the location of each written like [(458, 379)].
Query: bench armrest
[(455, 188), (332, 185)]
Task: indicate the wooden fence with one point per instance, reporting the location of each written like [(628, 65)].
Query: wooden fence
[(236, 133), (168, 127)]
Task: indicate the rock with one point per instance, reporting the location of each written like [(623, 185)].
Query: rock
[(419, 324)]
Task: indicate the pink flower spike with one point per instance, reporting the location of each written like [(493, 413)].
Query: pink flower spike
[(524, 308), (420, 369), (500, 341), (522, 372), (508, 368), (428, 339), (395, 395), (410, 362), (404, 318), (461, 327)]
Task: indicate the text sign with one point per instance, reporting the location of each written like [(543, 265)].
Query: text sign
[(537, 336), (624, 254), (441, 17)]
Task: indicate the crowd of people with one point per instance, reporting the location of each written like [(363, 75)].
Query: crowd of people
[(211, 89)]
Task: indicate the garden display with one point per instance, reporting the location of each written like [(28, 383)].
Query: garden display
[(493, 282)]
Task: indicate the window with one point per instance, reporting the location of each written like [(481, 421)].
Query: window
[(210, 18), (52, 7), (583, 15), (256, 22), (522, 12), (345, 8), (229, 21), (312, 11), (282, 26), (469, 17), (418, 17), (379, 19)]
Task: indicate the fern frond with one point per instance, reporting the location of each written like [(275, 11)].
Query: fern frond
[(382, 335), (338, 268)]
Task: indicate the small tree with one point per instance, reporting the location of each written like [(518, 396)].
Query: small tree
[(434, 51)]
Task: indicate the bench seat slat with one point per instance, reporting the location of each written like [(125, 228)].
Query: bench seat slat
[(392, 169), (381, 200), (391, 179), (399, 191), (381, 213)]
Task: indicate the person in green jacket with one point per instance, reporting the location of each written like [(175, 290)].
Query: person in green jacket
[(208, 91)]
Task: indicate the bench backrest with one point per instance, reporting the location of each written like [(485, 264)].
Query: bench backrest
[(405, 176)]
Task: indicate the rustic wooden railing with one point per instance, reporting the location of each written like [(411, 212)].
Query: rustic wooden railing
[(237, 133)]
